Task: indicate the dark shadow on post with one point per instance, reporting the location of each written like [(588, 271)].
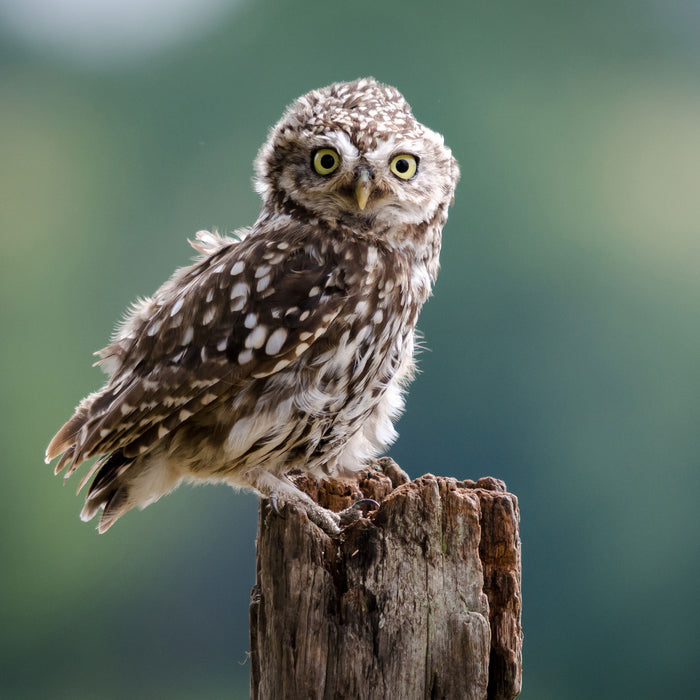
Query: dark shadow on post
[(419, 600)]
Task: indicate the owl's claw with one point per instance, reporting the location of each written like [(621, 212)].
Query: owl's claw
[(275, 506), (355, 511), (363, 501)]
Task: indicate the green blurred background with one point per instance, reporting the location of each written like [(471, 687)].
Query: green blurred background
[(563, 337)]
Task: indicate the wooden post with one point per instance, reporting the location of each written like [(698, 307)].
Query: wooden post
[(419, 600)]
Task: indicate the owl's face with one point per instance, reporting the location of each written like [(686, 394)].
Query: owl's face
[(353, 154)]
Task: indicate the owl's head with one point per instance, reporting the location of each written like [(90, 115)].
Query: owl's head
[(353, 154)]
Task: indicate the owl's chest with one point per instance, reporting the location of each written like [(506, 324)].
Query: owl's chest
[(372, 338)]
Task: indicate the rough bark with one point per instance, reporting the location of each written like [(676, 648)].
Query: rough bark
[(419, 600)]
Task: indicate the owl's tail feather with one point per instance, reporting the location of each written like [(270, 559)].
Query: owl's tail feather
[(65, 440), (69, 440), (110, 491)]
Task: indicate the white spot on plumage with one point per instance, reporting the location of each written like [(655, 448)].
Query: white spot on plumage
[(201, 383), (237, 268), (361, 307), (238, 303), (240, 289), (250, 320), (245, 356), (263, 283), (184, 414), (262, 271), (222, 344), (239, 296), (276, 341), (187, 337), (274, 258), (256, 338), (208, 315), (153, 328), (177, 306), (162, 431)]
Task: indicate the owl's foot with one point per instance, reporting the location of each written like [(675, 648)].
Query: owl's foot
[(329, 521), (326, 519), (332, 523)]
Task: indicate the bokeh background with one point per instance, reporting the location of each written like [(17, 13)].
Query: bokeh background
[(564, 339)]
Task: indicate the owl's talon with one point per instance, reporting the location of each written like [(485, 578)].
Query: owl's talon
[(274, 505), (363, 501), (355, 511)]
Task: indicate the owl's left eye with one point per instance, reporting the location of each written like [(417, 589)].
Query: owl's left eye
[(325, 161), (404, 166)]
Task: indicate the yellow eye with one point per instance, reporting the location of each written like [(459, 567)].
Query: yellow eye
[(404, 166), (325, 161)]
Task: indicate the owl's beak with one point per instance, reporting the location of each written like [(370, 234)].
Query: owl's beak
[(363, 187)]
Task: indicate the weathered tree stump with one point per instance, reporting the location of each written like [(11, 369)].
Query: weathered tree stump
[(419, 600)]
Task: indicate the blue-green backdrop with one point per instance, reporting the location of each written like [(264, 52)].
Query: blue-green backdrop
[(563, 338)]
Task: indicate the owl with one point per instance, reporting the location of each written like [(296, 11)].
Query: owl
[(287, 346)]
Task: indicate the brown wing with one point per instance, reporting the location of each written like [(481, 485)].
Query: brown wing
[(246, 311)]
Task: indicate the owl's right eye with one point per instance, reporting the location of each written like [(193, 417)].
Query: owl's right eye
[(325, 161)]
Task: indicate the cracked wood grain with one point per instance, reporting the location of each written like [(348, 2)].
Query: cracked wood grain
[(421, 599)]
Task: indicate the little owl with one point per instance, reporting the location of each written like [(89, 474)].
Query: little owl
[(288, 346)]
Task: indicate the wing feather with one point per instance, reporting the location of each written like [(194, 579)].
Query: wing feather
[(244, 312)]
